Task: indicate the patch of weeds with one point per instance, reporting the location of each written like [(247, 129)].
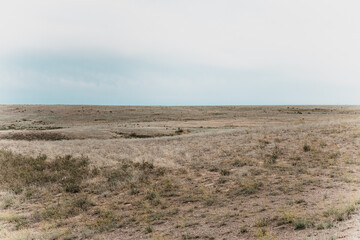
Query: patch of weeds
[(209, 199), (296, 161), (19, 171), (334, 155), (306, 148), (148, 229), (173, 212), (190, 224), (263, 222), (64, 209), (180, 131), (256, 171), (30, 192), (213, 169), (168, 188), (133, 189), (70, 237), (248, 187), (222, 180), (340, 213), (72, 187), (299, 224), (320, 226), (225, 172), (264, 234), (239, 163), (150, 195), (118, 174), (131, 174), (272, 158), (190, 236), (69, 172), (153, 197), (19, 221), (106, 220), (263, 143), (189, 197), (329, 225), (156, 217), (243, 229), (81, 202), (300, 201), (288, 217), (7, 201), (276, 152)]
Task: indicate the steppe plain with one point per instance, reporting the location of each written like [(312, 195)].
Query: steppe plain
[(136, 172)]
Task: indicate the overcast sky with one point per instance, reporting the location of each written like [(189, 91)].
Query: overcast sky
[(179, 52)]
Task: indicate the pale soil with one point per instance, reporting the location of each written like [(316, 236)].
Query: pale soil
[(212, 140)]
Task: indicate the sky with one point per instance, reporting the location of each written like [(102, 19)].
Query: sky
[(180, 52)]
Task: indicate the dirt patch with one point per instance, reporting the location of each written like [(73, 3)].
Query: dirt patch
[(36, 136)]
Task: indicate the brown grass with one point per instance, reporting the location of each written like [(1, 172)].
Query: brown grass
[(238, 173)]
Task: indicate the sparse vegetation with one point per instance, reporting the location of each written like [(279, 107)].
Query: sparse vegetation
[(243, 229), (306, 148), (225, 175), (19, 171), (148, 229)]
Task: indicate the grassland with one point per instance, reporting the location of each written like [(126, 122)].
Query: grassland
[(125, 172)]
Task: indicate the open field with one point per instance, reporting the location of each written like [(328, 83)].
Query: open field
[(125, 172)]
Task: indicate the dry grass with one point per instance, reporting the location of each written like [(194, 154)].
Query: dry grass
[(237, 173)]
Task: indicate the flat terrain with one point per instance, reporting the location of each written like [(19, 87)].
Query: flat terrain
[(232, 172)]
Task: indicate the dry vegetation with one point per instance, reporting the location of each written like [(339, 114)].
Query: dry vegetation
[(107, 172)]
